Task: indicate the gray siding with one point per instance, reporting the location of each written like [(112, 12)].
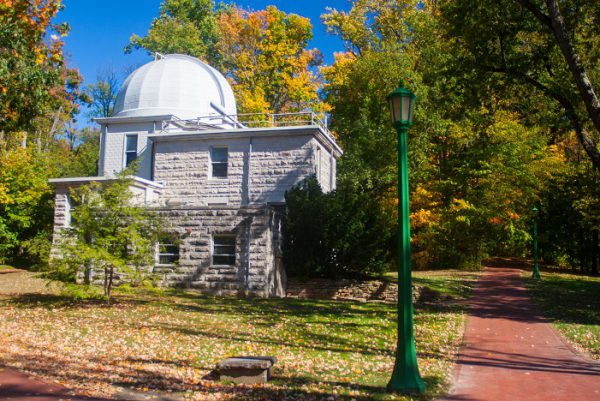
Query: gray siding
[(113, 148)]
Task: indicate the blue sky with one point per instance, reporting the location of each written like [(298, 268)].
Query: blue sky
[(101, 29)]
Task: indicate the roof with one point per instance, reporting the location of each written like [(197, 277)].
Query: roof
[(175, 84)]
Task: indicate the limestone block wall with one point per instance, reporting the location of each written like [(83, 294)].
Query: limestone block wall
[(350, 290), (260, 170), (253, 273), (277, 164), (184, 169), (324, 162), (62, 208)]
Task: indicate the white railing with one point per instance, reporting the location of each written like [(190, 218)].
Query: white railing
[(247, 120)]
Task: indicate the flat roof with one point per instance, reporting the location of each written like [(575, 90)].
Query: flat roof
[(230, 133)]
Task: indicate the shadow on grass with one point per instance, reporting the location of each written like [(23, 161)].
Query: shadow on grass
[(152, 378), (318, 341), (568, 299), (67, 301)]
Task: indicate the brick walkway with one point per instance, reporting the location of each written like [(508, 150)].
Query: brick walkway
[(16, 386), (511, 353)]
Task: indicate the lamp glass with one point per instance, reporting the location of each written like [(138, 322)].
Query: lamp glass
[(402, 104)]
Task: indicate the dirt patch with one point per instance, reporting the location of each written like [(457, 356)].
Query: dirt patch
[(17, 282)]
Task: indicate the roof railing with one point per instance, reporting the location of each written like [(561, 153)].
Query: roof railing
[(247, 120)]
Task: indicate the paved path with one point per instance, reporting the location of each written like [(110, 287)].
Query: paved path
[(511, 353), (16, 386)]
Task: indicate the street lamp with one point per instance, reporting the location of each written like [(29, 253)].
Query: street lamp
[(405, 378), (536, 269)]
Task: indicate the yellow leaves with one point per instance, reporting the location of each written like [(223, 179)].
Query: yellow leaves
[(337, 74), (422, 217), (39, 58), (460, 205), (265, 53)]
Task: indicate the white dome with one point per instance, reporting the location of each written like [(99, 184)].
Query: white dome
[(175, 84)]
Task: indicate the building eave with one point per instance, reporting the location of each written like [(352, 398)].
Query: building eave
[(132, 119), (72, 181)]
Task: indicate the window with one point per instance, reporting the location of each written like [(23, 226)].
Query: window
[(223, 250), (218, 160), (168, 250), (130, 149)]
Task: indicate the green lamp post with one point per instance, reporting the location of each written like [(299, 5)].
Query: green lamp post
[(405, 378), (536, 268)]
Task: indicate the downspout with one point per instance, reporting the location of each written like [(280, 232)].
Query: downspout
[(248, 263), (331, 161)]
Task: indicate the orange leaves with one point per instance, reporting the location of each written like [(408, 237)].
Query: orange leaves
[(265, 55), (31, 62), (36, 16), (495, 220)]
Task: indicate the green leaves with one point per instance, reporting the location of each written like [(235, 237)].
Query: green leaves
[(183, 26), (24, 197), (263, 53), (108, 234), (339, 234)]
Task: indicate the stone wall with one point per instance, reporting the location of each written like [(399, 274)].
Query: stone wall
[(254, 272), (346, 290), (324, 160), (257, 173)]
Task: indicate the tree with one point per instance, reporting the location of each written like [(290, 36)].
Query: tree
[(81, 157), (263, 53), (265, 56), (39, 97), (25, 199), (339, 234), (550, 50), (33, 79), (183, 26), (103, 93), (476, 162), (109, 234)]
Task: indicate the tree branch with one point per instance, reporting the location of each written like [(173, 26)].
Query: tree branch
[(578, 72), (589, 145), (537, 12)]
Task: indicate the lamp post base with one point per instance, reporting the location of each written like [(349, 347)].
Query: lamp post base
[(406, 385)]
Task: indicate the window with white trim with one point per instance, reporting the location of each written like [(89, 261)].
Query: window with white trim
[(167, 250), (223, 252), (131, 142), (218, 162)]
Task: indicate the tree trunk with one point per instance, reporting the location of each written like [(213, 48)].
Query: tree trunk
[(110, 283), (55, 122), (105, 280), (556, 24), (582, 258), (581, 78), (595, 253)]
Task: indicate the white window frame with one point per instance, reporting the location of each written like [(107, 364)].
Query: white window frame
[(212, 250), (212, 163), (125, 151)]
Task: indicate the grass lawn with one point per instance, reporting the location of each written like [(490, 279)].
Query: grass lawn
[(6, 267), (572, 302), (170, 340)]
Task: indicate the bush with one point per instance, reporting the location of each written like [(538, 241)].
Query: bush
[(339, 234), (78, 292)]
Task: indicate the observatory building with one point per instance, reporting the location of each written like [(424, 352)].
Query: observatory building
[(218, 177)]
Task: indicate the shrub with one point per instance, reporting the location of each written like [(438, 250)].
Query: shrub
[(338, 234)]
